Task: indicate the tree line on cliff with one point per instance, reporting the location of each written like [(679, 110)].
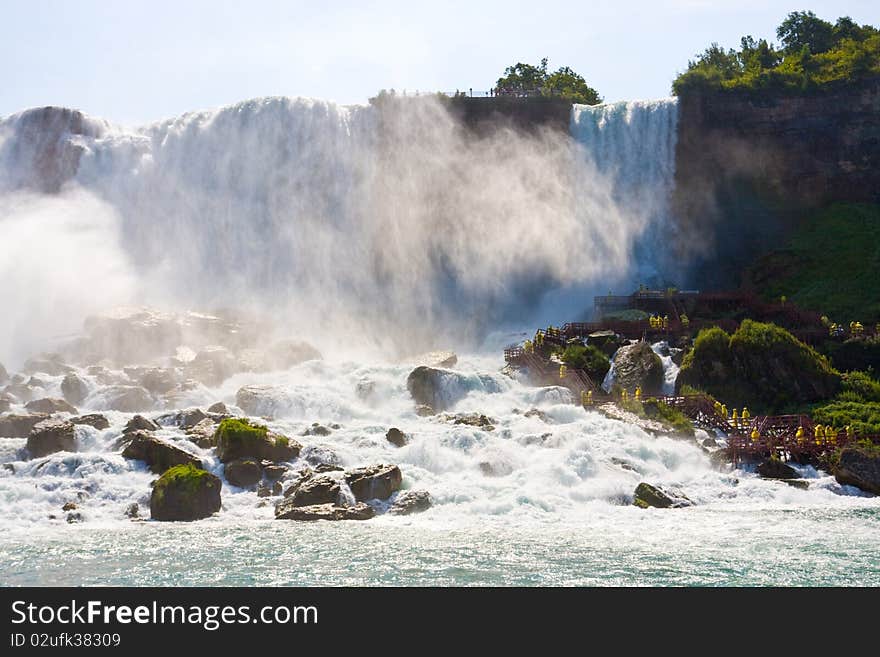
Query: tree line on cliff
[(812, 53)]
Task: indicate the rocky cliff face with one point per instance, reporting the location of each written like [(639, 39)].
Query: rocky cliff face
[(748, 165), (41, 148)]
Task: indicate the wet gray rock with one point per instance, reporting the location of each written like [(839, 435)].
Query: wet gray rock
[(310, 490), (647, 495), (860, 468), (50, 436), (203, 433), (128, 399), (273, 471), (19, 426), (49, 405), (132, 510), (435, 388), (396, 437), (284, 510), (4, 375), (218, 408), (262, 400), (156, 453), (140, 423), (317, 430), (95, 420), (411, 501), (374, 482), (776, 469), (74, 388), (212, 365), (243, 473), (475, 420), (6, 402), (156, 380), (636, 365)]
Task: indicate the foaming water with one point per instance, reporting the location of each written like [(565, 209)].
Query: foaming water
[(554, 486)]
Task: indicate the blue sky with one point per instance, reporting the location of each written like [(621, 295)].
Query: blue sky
[(133, 61)]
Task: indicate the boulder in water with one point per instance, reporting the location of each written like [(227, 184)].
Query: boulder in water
[(202, 434), (49, 405), (309, 490), (776, 469), (156, 453), (396, 437), (273, 471), (50, 436), (243, 473), (238, 438), (6, 402), (860, 467), (263, 400), (636, 365), (434, 388), (411, 501), (74, 388), (128, 399), (156, 380), (374, 482), (648, 495), (218, 408), (95, 420), (284, 510), (140, 423), (212, 365), (475, 420), (185, 492), (19, 426)]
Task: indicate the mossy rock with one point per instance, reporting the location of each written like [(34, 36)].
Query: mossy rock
[(238, 438), (761, 366), (185, 492)]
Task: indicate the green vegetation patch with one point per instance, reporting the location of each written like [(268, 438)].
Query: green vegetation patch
[(831, 265), (863, 417), (761, 366), (587, 358), (813, 54)]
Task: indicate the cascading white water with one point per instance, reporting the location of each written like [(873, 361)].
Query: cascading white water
[(633, 143), (385, 222)]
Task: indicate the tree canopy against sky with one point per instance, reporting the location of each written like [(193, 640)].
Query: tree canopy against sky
[(521, 79), (812, 52)]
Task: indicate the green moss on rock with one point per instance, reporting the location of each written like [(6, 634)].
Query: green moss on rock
[(238, 438), (761, 366), (185, 492)]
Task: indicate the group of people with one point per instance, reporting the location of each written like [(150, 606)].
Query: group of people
[(856, 329)]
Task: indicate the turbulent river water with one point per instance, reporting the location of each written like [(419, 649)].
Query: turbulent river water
[(373, 236), (539, 500)]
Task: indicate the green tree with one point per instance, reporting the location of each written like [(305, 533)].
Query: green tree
[(804, 29), (528, 79), (523, 77), (572, 86)]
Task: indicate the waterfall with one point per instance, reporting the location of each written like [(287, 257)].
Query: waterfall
[(386, 224), (633, 143)]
